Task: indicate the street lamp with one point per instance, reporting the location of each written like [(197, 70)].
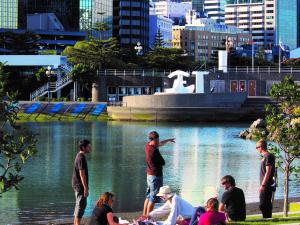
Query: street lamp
[(139, 48), (49, 72), (228, 45)]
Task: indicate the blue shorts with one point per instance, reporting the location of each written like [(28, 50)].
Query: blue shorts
[(153, 185)]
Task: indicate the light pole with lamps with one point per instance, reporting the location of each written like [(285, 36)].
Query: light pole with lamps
[(139, 48), (49, 72)]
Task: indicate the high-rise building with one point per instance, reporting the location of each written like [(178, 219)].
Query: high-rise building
[(93, 11), (198, 5), (298, 23), (131, 22), (254, 16), (8, 14), (215, 9), (67, 11), (287, 23), (205, 37)]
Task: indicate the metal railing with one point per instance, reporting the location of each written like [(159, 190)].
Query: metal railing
[(163, 73), (54, 86)]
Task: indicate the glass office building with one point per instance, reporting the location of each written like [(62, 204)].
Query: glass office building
[(287, 23), (198, 5), (67, 11), (92, 11), (8, 14), (298, 23), (131, 23)]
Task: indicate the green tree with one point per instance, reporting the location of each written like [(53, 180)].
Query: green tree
[(91, 56), (16, 145), (283, 125), (168, 59), (19, 43), (159, 39), (101, 27)]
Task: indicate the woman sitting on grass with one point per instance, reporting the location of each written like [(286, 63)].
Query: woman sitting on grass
[(212, 216), (102, 213)]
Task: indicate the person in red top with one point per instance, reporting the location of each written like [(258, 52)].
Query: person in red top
[(212, 216), (155, 163)]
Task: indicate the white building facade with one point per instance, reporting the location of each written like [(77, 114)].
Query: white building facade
[(215, 9), (256, 17), (172, 9)]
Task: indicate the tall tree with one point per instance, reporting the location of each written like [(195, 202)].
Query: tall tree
[(16, 145), (168, 59), (19, 43), (101, 27), (283, 125), (159, 39)]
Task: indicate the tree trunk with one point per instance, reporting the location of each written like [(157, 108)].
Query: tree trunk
[(286, 190), (95, 92)]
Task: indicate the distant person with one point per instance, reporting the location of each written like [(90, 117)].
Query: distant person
[(80, 180), (266, 175), (155, 163), (103, 213), (233, 200), (174, 207), (212, 216)]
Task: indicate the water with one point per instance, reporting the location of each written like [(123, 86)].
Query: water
[(202, 154)]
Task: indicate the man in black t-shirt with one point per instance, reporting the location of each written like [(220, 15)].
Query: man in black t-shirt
[(266, 175), (233, 200), (80, 180)]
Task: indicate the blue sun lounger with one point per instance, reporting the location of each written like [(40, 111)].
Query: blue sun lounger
[(32, 108), (78, 109), (98, 110), (55, 109)]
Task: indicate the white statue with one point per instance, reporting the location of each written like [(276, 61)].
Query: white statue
[(178, 85)]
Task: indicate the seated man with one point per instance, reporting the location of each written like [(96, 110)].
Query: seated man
[(175, 206), (233, 200)]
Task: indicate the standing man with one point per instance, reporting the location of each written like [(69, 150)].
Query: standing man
[(267, 170), (155, 163), (80, 180), (233, 200)]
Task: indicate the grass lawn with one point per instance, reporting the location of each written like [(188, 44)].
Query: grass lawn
[(67, 117), (277, 219)]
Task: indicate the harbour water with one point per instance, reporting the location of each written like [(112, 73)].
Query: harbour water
[(202, 154)]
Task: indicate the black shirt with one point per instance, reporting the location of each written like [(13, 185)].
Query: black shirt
[(235, 205), (268, 160), (79, 164), (99, 215)]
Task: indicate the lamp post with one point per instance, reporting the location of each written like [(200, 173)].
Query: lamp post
[(49, 72), (139, 48), (228, 45)]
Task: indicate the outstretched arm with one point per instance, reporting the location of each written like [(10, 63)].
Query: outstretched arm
[(161, 143)]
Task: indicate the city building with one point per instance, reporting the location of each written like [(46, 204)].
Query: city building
[(287, 23), (93, 11), (198, 5), (215, 9), (204, 38), (8, 14), (172, 9), (162, 25), (131, 23), (67, 11), (255, 16)]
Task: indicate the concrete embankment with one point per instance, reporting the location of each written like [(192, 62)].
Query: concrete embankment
[(190, 107)]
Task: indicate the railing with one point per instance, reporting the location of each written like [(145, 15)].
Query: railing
[(40, 91), (54, 86), (163, 73)]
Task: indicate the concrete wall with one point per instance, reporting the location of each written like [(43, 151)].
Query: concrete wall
[(233, 100)]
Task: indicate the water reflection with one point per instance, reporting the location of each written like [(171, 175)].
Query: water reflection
[(202, 154)]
